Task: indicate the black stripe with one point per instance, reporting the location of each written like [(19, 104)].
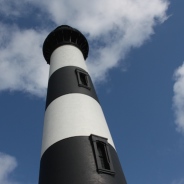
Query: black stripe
[(71, 161), (64, 81)]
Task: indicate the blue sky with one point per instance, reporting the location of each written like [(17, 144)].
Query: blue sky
[(136, 61)]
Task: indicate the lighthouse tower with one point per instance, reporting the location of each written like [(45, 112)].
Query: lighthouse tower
[(77, 147)]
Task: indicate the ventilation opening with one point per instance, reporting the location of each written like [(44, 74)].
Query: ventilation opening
[(102, 155), (83, 79)]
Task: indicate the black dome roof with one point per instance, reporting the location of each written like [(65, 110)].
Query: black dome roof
[(64, 35)]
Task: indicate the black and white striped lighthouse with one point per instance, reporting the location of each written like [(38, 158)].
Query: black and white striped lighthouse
[(77, 147)]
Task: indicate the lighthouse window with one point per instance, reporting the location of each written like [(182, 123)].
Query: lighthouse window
[(83, 78), (102, 155)]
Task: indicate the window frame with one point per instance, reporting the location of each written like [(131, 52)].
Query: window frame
[(87, 78), (107, 157)]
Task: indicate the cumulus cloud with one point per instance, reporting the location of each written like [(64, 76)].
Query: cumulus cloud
[(115, 26), (21, 64), (111, 27), (10, 8), (7, 166), (178, 99)]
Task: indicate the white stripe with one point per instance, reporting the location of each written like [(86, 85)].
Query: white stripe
[(66, 55), (73, 115)]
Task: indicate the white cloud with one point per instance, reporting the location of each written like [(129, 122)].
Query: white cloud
[(112, 29), (22, 66), (10, 7), (118, 25), (178, 99), (7, 166)]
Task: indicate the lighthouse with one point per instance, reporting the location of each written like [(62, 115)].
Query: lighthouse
[(77, 147)]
